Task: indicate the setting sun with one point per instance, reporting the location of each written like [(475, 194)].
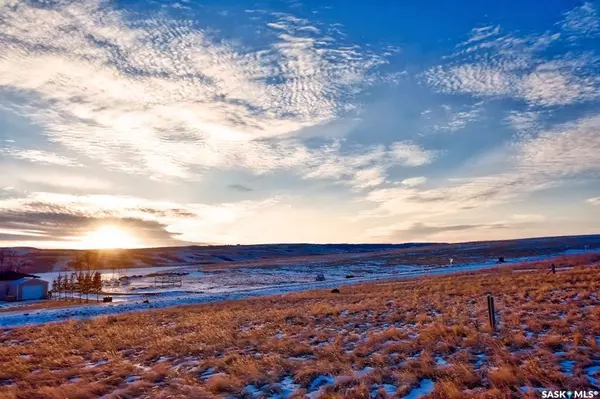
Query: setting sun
[(107, 237)]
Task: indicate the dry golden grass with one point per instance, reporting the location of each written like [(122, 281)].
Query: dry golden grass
[(380, 339)]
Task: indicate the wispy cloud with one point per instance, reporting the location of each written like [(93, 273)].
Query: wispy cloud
[(410, 154), (453, 120), (482, 33), (566, 150), (424, 231), (240, 187), (593, 201), (100, 97), (582, 20), (524, 122), (38, 156), (491, 65), (66, 217), (546, 160), (528, 217), (366, 167), (139, 92), (414, 181)]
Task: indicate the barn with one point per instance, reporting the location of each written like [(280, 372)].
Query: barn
[(16, 286)]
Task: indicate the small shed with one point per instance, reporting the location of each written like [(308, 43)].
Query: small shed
[(16, 286)]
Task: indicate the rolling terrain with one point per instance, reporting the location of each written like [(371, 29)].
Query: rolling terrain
[(49, 260), (420, 337), (275, 255)]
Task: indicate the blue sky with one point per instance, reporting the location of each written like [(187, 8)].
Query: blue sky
[(297, 121)]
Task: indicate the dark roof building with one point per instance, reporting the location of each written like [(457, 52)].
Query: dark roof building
[(10, 275), (16, 286)]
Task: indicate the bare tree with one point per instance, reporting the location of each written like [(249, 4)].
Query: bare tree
[(88, 261), (118, 260), (6, 257), (73, 285), (19, 264), (57, 286), (11, 260), (97, 285), (80, 284)]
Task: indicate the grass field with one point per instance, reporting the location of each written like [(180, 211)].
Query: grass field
[(426, 336)]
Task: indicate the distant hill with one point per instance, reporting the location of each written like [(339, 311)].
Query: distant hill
[(45, 260)]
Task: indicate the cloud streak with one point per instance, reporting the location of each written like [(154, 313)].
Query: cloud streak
[(39, 156), (492, 64), (66, 217), (167, 98), (183, 114), (546, 160)]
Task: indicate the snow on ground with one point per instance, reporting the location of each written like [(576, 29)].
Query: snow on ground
[(389, 389), (209, 373), (425, 387), (288, 387), (201, 286), (440, 361), (590, 373)]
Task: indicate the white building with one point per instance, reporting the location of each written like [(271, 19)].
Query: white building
[(16, 286)]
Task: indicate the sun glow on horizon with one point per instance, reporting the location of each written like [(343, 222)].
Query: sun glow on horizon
[(108, 237)]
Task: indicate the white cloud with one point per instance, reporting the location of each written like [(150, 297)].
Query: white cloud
[(189, 222), (477, 79), (456, 120), (39, 156), (410, 154), (566, 150), (363, 168), (370, 177), (485, 32), (548, 85), (582, 20), (414, 181), (165, 97), (514, 66), (459, 196), (556, 84), (593, 201), (539, 162), (528, 218), (73, 182), (524, 122)]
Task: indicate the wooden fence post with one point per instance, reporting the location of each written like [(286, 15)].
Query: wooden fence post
[(491, 311)]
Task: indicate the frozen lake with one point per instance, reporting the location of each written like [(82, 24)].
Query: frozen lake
[(110, 274)]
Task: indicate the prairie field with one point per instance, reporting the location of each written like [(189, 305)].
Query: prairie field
[(422, 337)]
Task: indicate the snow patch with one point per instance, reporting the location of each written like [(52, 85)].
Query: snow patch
[(389, 389), (320, 381), (251, 390), (132, 378), (89, 365), (480, 359), (567, 367), (319, 385), (425, 387), (440, 361), (287, 387), (590, 372), (209, 373)]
